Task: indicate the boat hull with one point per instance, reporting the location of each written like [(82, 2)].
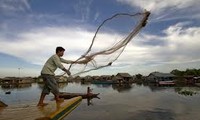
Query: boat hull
[(52, 111)]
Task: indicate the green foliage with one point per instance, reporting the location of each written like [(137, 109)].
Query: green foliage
[(192, 72), (138, 76), (185, 92)]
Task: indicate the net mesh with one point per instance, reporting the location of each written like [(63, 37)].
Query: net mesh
[(109, 41)]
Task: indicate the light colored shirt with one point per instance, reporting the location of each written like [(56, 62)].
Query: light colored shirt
[(53, 63)]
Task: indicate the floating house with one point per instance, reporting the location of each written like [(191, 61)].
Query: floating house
[(124, 78), (15, 80), (161, 78), (105, 78)]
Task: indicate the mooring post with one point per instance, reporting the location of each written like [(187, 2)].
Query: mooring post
[(88, 90)]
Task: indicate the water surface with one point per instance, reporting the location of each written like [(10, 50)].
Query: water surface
[(127, 102)]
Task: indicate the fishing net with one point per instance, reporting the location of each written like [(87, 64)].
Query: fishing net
[(109, 41)]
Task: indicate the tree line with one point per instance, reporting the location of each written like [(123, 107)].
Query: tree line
[(192, 72)]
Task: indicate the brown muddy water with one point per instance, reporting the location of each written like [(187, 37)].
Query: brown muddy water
[(125, 102)]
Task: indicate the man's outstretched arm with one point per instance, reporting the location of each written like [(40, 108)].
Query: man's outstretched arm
[(85, 61), (67, 71)]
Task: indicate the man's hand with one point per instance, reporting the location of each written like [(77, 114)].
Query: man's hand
[(67, 71), (80, 62), (85, 61)]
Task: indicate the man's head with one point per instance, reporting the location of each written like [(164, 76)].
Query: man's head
[(60, 51)]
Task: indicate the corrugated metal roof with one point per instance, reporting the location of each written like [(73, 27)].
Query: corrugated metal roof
[(158, 74), (124, 75)]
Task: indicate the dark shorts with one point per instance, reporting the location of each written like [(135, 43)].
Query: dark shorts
[(50, 84)]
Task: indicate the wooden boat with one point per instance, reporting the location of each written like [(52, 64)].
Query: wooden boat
[(83, 95), (52, 111), (89, 94), (163, 83)]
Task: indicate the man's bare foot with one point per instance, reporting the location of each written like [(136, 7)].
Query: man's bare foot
[(42, 104)]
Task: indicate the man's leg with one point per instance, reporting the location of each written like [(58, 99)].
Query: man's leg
[(45, 91), (41, 101), (57, 98), (53, 86)]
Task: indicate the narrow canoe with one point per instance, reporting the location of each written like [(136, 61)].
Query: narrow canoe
[(83, 95), (52, 111), (89, 94)]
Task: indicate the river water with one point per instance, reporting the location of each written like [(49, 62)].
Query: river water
[(125, 102)]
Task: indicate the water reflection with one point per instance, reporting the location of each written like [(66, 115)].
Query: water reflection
[(60, 85), (90, 101), (122, 87), (155, 114), (154, 88), (103, 85), (12, 86), (186, 91), (117, 87), (7, 88)]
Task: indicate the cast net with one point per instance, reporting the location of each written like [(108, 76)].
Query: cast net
[(109, 41)]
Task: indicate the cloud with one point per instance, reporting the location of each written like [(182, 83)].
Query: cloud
[(180, 44), (183, 42), (35, 45), (7, 6), (96, 16), (167, 9), (82, 8), (160, 6)]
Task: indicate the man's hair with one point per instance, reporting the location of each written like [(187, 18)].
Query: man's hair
[(58, 49)]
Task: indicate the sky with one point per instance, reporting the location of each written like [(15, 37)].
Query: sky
[(30, 30)]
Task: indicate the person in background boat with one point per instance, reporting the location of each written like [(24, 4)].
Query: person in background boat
[(48, 75)]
